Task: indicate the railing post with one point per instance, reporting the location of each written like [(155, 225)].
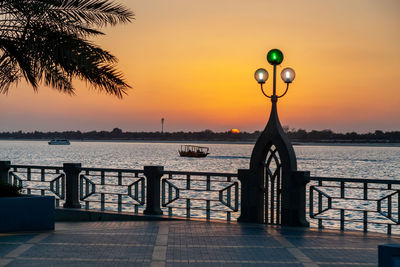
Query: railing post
[(72, 171), (294, 200), (4, 170), (249, 206), (153, 177)]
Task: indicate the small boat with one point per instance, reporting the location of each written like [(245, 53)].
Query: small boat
[(193, 151), (59, 142)]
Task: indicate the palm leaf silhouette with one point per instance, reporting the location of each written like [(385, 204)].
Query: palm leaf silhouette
[(45, 41)]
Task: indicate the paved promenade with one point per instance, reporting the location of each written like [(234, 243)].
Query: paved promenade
[(187, 243)]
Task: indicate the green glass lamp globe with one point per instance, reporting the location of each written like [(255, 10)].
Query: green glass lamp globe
[(275, 57)]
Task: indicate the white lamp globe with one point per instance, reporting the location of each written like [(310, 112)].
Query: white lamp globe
[(261, 75), (288, 75)]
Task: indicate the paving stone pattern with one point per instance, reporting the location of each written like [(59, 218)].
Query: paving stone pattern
[(188, 243)]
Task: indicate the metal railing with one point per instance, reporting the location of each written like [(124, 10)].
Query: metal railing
[(342, 203), (353, 203), (200, 194), (205, 195), (120, 190), (39, 180)]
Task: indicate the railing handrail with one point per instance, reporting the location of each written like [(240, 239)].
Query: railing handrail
[(112, 170), (223, 174), (354, 180), (35, 167), (83, 169)]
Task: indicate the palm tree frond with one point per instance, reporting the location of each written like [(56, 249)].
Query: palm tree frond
[(97, 12), (9, 73), (46, 41), (58, 79), (27, 66)]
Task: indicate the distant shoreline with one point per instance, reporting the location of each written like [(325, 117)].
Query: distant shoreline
[(250, 142), (298, 136)]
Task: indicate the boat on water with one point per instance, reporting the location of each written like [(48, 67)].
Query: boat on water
[(59, 142), (193, 151)]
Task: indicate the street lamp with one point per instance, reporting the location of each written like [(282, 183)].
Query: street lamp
[(273, 191), (275, 57)]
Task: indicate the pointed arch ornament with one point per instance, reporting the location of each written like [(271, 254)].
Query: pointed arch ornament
[(273, 191)]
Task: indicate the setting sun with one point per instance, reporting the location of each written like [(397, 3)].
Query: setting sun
[(235, 131)]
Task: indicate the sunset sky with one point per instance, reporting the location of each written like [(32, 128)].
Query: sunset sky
[(192, 62)]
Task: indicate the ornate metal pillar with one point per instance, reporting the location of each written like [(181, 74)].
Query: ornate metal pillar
[(153, 178), (72, 171), (279, 196)]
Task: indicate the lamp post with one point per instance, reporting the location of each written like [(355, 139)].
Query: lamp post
[(273, 191), (275, 57)]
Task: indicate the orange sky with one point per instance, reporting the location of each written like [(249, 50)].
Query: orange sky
[(192, 62)]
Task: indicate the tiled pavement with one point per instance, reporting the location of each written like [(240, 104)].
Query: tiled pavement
[(188, 243)]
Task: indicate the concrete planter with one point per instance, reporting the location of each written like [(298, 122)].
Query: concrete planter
[(27, 213)]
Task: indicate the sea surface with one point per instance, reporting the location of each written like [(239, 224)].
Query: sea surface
[(359, 161), (349, 161)]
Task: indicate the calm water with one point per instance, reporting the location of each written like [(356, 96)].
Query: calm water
[(338, 161)]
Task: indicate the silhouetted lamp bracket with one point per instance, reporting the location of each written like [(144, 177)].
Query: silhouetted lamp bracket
[(274, 57)]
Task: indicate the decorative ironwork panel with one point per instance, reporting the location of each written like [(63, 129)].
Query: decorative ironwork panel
[(57, 186), (136, 190), (272, 187), (200, 195), (87, 187), (120, 190), (225, 196), (356, 204), (39, 180), (170, 192)]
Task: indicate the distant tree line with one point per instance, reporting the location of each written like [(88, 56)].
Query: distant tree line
[(118, 134), (296, 135), (329, 136)]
